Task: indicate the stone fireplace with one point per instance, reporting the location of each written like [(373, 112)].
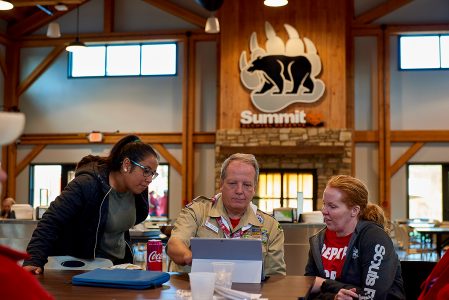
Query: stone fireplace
[(328, 151)]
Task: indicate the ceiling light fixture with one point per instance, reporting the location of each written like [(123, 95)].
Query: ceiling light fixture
[(61, 7), (6, 5), (53, 30), (275, 3), (77, 44), (212, 24)]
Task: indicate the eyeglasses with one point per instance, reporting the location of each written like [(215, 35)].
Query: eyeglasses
[(147, 172)]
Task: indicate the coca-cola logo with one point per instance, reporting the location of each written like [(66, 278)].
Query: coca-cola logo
[(154, 256)]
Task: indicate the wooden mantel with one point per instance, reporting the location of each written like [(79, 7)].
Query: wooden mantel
[(283, 150)]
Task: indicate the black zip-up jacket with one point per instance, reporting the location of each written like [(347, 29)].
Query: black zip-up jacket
[(75, 221), (371, 265)]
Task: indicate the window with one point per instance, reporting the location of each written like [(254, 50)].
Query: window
[(158, 194), (428, 191), (47, 182), (286, 188), (419, 52), (124, 60)]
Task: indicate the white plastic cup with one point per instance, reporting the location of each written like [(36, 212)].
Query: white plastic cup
[(202, 285), (223, 273)]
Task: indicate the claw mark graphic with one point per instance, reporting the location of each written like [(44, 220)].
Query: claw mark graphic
[(282, 74)]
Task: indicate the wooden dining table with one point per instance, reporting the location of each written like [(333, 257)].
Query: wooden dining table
[(58, 283)]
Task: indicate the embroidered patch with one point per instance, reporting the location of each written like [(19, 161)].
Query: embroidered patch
[(260, 218), (280, 228), (355, 253), (264, 236), (252, 233)]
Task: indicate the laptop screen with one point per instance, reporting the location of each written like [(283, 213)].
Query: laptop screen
[(226, 249), (245, 253)]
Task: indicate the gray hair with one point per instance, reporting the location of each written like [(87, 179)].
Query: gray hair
[(244, 158)]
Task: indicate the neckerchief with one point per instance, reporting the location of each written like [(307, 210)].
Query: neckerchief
[(227, 232)]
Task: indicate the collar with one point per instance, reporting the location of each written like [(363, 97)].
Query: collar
[(249, 217)]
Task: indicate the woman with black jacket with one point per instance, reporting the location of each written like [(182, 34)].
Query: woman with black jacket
[(93, 214), (353, 257)]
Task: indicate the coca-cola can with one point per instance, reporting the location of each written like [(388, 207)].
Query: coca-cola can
[(154, 255)]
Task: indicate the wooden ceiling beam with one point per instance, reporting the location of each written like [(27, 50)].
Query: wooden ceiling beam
[(380, 11), (168, 157), (405, 157), (36, 21), (21, 3), (29, 158), (166, 35), (32, 23), (4, 40), (179, 12), (108, 20), (284, 150), (40, 69), (403, 136), (110, 138)]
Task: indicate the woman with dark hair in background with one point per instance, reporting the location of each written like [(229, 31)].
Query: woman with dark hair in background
[(353, 257), (93, 214)]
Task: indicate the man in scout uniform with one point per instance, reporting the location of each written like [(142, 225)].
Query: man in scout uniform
[(229, 214)]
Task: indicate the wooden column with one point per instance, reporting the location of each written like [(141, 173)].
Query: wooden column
[(386, 203), (11, 101)]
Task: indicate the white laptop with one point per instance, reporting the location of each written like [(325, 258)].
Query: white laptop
[(245, 253)]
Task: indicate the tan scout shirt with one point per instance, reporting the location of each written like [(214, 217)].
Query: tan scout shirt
[(198, 219)]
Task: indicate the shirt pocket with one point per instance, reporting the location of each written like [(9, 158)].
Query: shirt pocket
[(206, 232)]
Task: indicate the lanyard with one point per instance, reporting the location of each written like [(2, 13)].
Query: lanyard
[(233, 235)]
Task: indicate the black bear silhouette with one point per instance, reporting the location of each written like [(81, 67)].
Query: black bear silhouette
[(277, 68)]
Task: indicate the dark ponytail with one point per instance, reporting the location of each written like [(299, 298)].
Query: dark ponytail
[(129, 146)]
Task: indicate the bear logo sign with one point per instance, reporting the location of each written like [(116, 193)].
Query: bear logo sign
[(281, 74)]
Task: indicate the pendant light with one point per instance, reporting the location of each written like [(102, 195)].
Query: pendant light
[(76, 45), (275, 3), (6, 5), (53, 30), (212, 24)]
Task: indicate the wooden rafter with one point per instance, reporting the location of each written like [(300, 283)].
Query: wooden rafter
[(168, 156), (32, 23), (177, 11), (29, 158), (36, 21), (380, 11), (284, 150), (40, 69), (4, 39), (112, 138), (108, 22), (3, 66), (403, 136), (173, 35), (405, 157), (21, 3)]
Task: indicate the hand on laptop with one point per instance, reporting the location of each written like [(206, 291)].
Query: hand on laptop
[(179, 252)]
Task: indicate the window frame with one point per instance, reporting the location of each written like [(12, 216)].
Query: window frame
[(282, 172), (445, 186), (105, 75), (400, 68), (65, 169)]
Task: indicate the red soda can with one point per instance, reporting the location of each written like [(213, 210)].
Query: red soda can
[(154, 255)]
